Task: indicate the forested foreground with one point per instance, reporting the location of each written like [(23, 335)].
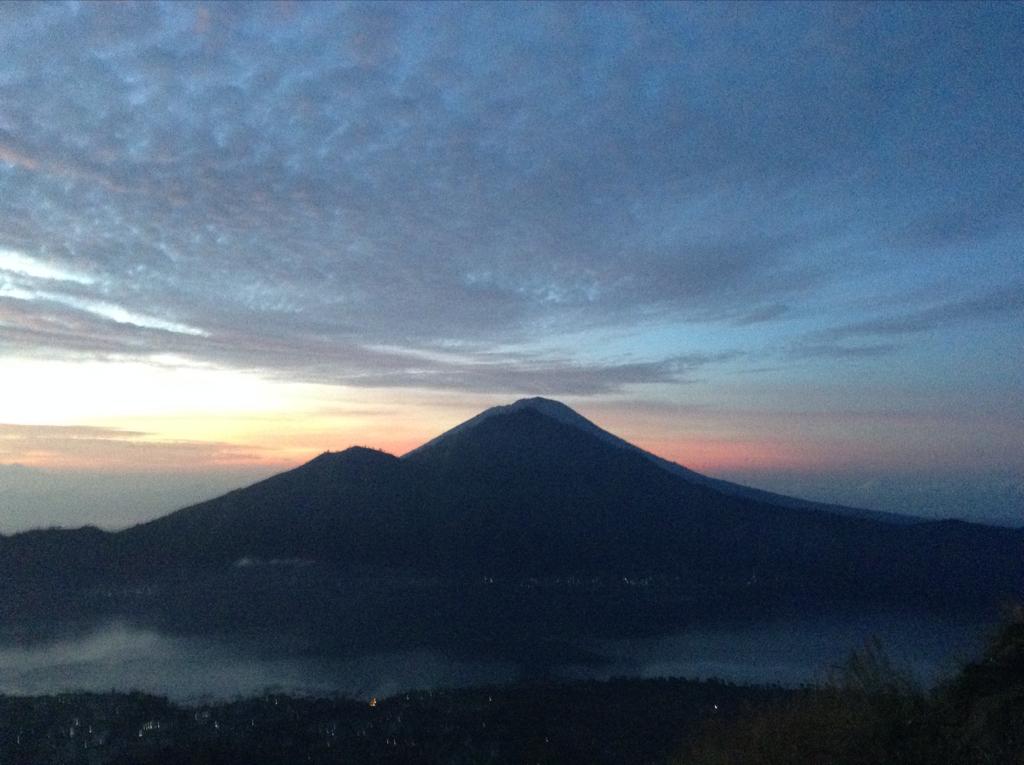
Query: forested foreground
[(618, 721), (874, 714), (870, 713)]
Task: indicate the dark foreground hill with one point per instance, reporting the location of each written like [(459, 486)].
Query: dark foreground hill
[(589, 723), (525, 515)]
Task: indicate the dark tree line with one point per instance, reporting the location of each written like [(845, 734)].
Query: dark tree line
[(871, 713)]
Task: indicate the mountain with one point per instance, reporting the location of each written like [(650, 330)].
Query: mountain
[(564, 414), (527, 495)]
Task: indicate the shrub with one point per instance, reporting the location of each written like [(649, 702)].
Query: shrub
[(870, 712)]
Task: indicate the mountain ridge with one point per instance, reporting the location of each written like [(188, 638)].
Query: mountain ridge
[(534, 491)]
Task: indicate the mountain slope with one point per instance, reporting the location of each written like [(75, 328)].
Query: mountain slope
[(519, 460), (534, 491), (326, 508), (564, 414)]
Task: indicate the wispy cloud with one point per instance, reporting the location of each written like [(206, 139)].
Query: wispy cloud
[(10, 432), (113, 449), (840, 350), (1007, 300), (18, 263), (538, 376)]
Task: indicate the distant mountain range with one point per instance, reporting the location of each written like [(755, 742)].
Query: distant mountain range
[(533, 492)]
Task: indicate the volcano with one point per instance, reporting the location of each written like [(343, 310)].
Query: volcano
[(534, 492)]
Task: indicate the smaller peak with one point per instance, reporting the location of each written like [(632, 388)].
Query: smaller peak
[(351, 454), (359, 450)]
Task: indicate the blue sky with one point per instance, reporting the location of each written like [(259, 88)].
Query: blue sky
[(777, 242)]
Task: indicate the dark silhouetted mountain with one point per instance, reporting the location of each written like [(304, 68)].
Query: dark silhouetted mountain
[(533, 491), (559, 411), (338, 505)]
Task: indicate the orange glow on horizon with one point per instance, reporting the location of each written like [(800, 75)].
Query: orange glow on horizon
[(168, 415), (715, 456), (711, 455)]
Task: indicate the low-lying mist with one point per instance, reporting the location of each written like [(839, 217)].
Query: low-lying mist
[(123, 657)]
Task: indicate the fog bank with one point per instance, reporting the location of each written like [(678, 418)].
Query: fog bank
[(123, 657)]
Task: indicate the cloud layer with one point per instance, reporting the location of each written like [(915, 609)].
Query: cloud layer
[(407, 195)]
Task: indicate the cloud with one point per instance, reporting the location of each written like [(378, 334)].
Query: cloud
[(763, 314), (18, 263), (994, 304), (38, 324), (535, 376), (59, 432), (290, 190), (840, 351), (112, 448)]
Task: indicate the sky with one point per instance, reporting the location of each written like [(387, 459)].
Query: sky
[(777, 243)]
